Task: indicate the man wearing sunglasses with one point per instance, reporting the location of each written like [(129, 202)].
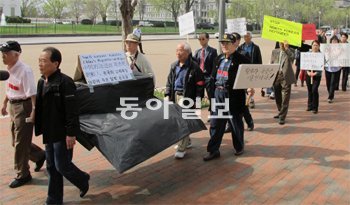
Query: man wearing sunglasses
[(205, 57)]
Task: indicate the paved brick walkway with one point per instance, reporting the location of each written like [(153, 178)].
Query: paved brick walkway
[(306, 161)]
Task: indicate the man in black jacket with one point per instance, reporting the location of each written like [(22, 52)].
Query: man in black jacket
[(205, 57), (185, 80), (224, 75), (56, 118)]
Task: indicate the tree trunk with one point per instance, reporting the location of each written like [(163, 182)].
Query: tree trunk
[(127, 8)]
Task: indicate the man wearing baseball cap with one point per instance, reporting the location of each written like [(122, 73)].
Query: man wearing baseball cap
[(224, 75), (20, 93), (137, 61)]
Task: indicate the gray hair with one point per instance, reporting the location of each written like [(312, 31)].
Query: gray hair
[(249, 33), (187, 47)]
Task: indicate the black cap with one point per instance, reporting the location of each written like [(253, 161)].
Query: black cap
[(228, 38), (10, 46)]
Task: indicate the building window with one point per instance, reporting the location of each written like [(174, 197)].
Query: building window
[(13, 11)]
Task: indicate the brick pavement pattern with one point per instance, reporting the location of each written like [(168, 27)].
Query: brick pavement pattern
[(305, 161)]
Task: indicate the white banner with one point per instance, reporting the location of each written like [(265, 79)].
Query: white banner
[(255, 76), (186, 23), (103, 68), (336, 54), (238, 25), (311, 61)]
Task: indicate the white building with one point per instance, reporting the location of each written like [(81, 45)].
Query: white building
[(10, 7)]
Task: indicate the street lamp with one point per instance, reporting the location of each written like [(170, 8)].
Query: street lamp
[(319, 19)]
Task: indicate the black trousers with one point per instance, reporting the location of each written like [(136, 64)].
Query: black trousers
[(337, 79), (247, 116), (344, 81), (331, 83), (312, 92), (218, 123)]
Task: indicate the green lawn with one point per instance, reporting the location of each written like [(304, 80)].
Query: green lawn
[(29, 29)]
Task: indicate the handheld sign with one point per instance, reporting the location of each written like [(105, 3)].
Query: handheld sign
[(311, 61), (309, 32), (238, 25), (336, 54), (281, 30), (186, 23), (103, 68), (255, 76)]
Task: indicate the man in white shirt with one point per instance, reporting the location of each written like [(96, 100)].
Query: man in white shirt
[(20, 93)]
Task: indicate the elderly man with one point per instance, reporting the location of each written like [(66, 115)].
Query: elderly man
[(20, 92), (284, 56), (224, 75), (137, 61), (253, 52), (185, 80)]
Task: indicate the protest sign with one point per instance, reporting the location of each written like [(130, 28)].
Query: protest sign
[(238, 25), (281, 30), (337, 54), (255, 76), (186, 23), (103, 68), (309, 32), (311, 61)]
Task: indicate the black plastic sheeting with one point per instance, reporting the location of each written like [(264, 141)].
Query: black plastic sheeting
[(126, 143)]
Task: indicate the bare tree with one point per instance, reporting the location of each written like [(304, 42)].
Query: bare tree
[(92, 9), (28, 8), (188, 5), (103, 8), (115, 9), (173, 6), (141, 9), (127, 9), (54, 8), (76, 8)]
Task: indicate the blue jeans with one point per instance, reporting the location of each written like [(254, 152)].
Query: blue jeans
[(59, 164)]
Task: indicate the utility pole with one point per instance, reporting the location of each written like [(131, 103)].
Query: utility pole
[(222, 7)]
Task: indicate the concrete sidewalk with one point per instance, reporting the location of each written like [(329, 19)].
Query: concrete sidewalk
[(305, 161)]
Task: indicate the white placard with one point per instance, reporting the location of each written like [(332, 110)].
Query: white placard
[(336, 54), (255, 76), (103, 68), (186, 23), (311, 61), (238, 25)]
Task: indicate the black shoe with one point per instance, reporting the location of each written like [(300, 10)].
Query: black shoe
[(315, 111), (262, 93), (211, 155), (308, 109), (281, 122), (276, 116), (86, 189), (240, 152), (39, 164), (251, 127), (19, 182)]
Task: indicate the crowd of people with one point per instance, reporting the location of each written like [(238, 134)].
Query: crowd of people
[(51, 107)]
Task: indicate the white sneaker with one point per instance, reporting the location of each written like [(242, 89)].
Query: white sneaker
[(179, 155), (187, 147)]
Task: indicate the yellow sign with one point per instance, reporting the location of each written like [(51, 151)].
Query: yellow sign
[(281, 30)]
